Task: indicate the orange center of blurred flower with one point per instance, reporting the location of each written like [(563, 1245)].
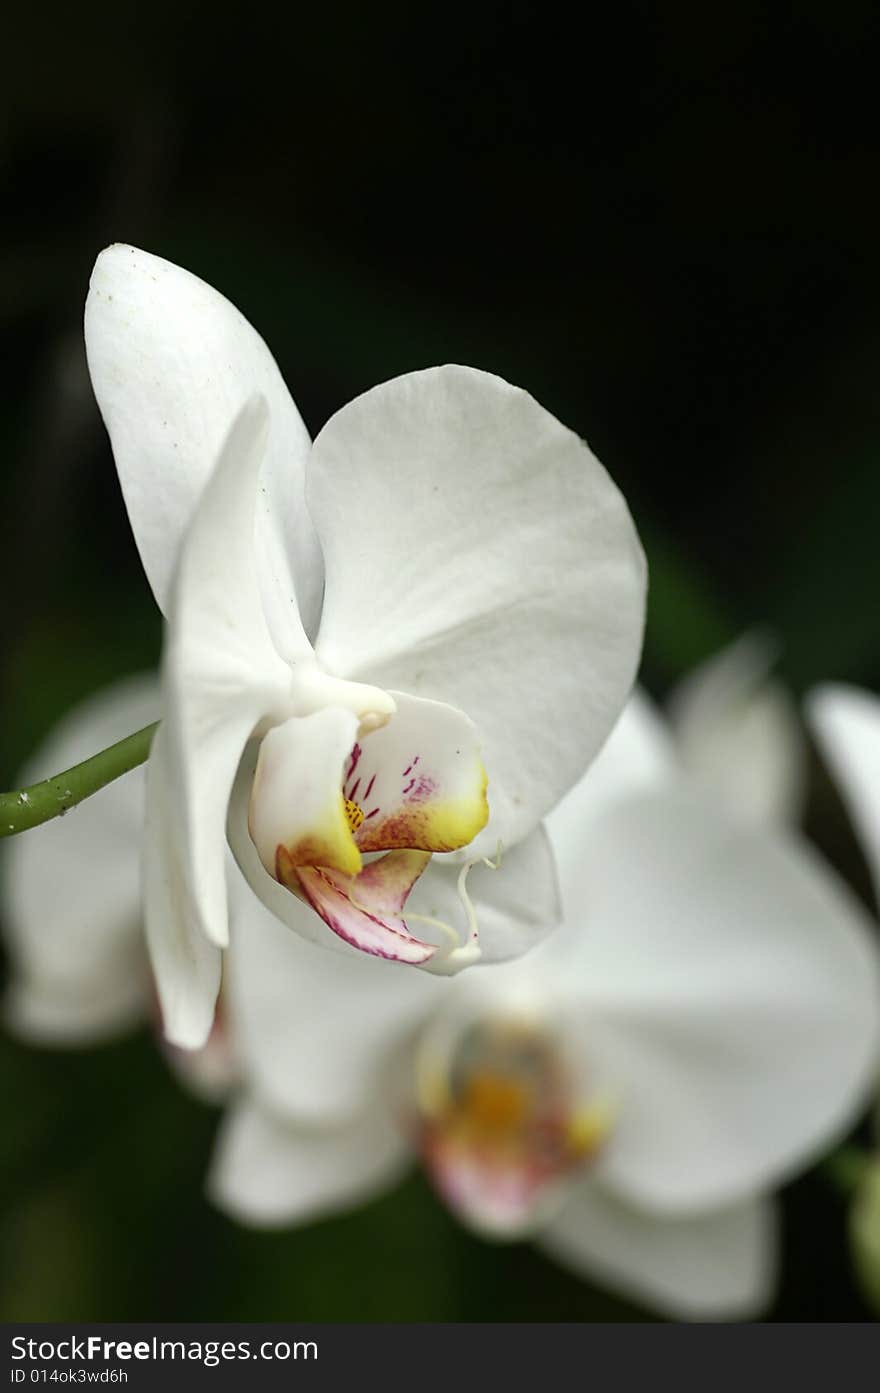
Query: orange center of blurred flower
[(501, 1121)]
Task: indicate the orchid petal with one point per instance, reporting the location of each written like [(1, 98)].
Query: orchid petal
[(714, 1266), (638, 756), (725, 992), (172, 363), (846, 722), (737, 731), (186, 966), (267, 1172), (221, 673), (72, 886), (535, 630)]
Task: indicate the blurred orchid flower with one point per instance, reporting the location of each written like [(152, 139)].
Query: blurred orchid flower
[(445, 579), (737, 731), (705, 1023), (629, 1093), (846, 723), (73, 904)]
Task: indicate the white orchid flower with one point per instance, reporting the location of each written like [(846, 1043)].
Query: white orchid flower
[(630, 1093), (445, 586), (737, 732)]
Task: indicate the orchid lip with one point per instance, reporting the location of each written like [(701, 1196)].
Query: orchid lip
[(326, 798)]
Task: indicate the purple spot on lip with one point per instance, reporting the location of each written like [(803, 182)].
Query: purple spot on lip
[(372, 814), (368, 788), (355, 756), (409, 768), (354, 789), (419, 788)]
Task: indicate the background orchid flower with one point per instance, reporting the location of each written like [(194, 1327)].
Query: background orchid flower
[(73, 903), (846, 723), (737, 731), (699, 1024), (72, 893), (705, 1023), (445, 585)]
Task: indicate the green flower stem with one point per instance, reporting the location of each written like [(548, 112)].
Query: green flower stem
[(28, 807)]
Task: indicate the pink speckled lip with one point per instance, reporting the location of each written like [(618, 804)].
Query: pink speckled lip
[(367, 910)]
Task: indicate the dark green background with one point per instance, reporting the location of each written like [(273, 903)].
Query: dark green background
[(663, 223)]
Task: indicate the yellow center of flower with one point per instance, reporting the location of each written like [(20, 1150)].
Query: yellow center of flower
[(506, 1090), (354, 814), (494, 1106)]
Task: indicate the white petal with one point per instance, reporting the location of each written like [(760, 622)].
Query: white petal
[(186, 966), (221, 674), (737, 731), (638, 755), (318, 1030), (72, 901), (714, 1266), (729, 995), (478, 554), (846, 722), (172, 363), (268, 1172)]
